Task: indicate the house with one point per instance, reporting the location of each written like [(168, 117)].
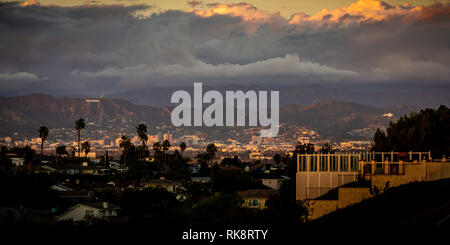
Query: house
[(82, 212), (169, 185), (201, 179), (18, 161), (274, 183), (256, 198), (265, 168), (61, 187), (229, 168), (195, 169), (74, 192), (66, 169)]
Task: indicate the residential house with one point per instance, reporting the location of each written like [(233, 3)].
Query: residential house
[(82, 212), (256, 198), (169, 185)]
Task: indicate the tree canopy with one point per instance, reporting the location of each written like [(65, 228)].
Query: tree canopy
[(427, 130)]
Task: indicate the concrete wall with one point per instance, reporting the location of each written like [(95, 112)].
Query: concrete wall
[(346, 196), (319, 208), (424, 171)]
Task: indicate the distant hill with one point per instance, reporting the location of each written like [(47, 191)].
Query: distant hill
[(332, 117), (337, 117), (377, 94), (44, 109)]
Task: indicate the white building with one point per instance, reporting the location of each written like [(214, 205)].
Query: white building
[(319, 173), (81, 212)]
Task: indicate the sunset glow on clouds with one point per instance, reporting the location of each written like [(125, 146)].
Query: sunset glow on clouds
[(121, 47)]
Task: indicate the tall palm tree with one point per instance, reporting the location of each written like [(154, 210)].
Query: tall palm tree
[(165, 149), (125, 144), (157, 148), (79, 125), (210, 153), (86, 147), (141, 130), (43, 133)]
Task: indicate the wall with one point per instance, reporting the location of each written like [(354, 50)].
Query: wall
[(310, 185), (346, 196), (424, 171), (272, 183)]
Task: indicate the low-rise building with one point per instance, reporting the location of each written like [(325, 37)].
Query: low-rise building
[(256, 198), (82, 212), (169, 185)]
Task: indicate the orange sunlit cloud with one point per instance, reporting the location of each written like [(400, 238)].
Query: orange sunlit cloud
[(30, 3), (360, 11), (246, 11)]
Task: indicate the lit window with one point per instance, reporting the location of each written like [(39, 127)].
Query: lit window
[(253, 203)]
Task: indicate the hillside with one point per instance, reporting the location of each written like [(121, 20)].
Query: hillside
[(337, 118), (331, 118), (44, 109), (378, 95)]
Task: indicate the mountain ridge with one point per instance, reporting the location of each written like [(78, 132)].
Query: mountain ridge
[(332, 117)]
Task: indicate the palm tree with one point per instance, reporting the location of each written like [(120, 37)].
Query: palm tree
[(79, 125), (157, 148), (141, 130), (165, 149), (125, 144), (183, 147), (165, 146), (43, 133), (211, 150), (86, 147)]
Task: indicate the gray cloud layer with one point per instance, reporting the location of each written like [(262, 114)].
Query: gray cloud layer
[(95, 48)]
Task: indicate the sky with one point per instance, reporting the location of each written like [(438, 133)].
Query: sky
[(285, 7), (114, 45)]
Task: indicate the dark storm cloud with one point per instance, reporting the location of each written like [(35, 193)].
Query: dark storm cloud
[(108, 48)]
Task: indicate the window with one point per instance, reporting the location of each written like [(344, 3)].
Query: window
[(89, 213), (333, 163), (323, 163), (302, 160), (253, 203)]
